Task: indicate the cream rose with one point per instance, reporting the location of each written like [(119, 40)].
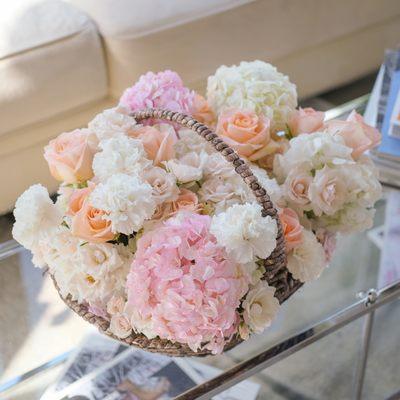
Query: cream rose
[(163, 184), (70, 156), (188, 168), (260, 307), (120, 326), (297, 185), (328, 191), (158, 141), (202, 111), (115, 305)]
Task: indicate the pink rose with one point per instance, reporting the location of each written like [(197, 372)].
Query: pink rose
[(292, 229), (305, 120), (246, 132), (356, 133), (202, 111), (88, 222), (70, 156), (158, 141)]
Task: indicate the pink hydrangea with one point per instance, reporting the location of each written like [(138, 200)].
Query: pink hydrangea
[(182, 286), (162, 90)]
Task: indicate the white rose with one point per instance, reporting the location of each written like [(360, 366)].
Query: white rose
[(127, 200), (217, 166), (255, 86), (138, 323), (307, 261), (244, 232), (120, 326), (189, 167), (260, 307), (163, 184), (120, 155), (112, 122), (35, 216)]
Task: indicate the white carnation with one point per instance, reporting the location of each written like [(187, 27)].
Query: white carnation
[(35, 216), (112, 122), (120, 155), (189, 167), (254, 86), (307, 261), (244, 232), (127, 200)]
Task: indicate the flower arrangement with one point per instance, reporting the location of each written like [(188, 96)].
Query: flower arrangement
[(158, 234)]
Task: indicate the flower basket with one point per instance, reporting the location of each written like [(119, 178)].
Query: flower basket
[(276, 273), (182, 224)]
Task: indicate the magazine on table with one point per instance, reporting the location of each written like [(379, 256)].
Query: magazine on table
[(102, 368)]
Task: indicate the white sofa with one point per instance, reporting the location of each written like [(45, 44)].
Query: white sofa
[(63, 61)]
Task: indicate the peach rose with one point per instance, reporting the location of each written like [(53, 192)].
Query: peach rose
[(246, 132), (87, 221), (292, 229), (356, 133), (202, 111), (70, 156), (305, 120), (77, 199), (158, 141), (187, 200)]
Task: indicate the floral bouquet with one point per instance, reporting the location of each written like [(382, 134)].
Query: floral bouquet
[(165, 238)]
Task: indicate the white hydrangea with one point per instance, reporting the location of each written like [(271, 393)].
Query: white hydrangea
[(35, 217), (244, 232), (112, 122), (350, 219), (255, 86), (120, 155), (315, 150), (307, 261), (127, 200), (190, 141)]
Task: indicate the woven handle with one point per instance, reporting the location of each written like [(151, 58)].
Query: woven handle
[(219, 145)]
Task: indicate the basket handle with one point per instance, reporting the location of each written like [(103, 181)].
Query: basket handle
[(240, 166)]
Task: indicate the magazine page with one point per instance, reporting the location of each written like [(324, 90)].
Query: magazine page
[(132, 375), (244, 390), (94, 351)]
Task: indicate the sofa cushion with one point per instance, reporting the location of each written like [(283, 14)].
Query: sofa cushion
[(51, 61)]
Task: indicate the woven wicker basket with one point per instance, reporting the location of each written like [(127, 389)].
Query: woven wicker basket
[(276, 273)]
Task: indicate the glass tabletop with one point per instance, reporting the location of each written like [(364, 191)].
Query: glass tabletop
[(37, 328)]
